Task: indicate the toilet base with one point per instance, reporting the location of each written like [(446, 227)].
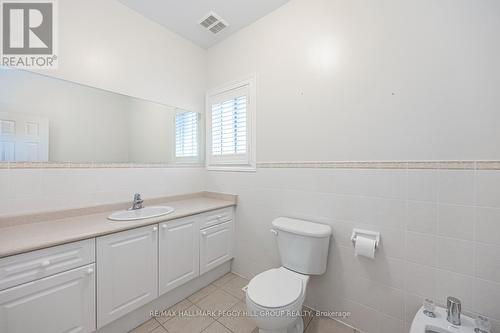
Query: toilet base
[(297, 327)]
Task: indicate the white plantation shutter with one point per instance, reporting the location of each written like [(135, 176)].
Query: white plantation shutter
[(229, 127), (186, 134)]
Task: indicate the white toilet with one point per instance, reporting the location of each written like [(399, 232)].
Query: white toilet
[(275, 297)]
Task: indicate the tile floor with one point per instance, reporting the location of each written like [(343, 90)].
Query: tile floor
[(223, 294)]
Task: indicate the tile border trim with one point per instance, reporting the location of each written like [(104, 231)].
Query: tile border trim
[(69, 165), (443, 165)]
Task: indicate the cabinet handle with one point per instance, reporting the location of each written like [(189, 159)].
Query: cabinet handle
[(164, 226), (274, 232), (218, 217), (155, 228), (90, 271), (45, 263)]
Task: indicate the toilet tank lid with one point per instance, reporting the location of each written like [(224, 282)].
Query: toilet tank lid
[(301, 227)]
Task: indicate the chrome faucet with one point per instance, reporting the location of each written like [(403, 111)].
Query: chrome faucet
[(453, 310), (138, 202)]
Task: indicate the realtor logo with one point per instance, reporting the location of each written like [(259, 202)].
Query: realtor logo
[(28, 34)]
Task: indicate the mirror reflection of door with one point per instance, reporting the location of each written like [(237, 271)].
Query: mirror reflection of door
[(23, 138)]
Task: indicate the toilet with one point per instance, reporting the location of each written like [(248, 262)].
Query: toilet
[(274, 298)]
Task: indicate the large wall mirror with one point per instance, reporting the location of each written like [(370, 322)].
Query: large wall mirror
[(43, 119)]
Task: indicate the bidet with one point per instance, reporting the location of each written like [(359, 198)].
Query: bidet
[(438, 323)]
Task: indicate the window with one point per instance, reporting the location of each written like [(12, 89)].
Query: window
[(186, 136), (231, 126)]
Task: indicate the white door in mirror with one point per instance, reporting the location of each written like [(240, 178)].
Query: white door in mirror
[(140, 214)]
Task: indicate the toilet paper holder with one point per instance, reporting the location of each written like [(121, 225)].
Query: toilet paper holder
[(366, 233)]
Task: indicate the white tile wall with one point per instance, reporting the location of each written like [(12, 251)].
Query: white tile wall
[(440, 236), (33, 190), (440, 229)]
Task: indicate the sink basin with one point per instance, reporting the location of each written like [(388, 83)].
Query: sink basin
[(140, 214)]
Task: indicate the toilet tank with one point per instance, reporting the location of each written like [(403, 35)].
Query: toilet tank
[(302, 245)]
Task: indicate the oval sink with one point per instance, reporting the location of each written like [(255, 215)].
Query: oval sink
[(140, 214)]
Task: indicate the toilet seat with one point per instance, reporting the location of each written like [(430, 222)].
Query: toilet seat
[(276, 288)]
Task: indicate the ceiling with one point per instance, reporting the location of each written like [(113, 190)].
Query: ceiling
[(182, 16)]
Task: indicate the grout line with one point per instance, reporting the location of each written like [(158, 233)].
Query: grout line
[(217, 320), (310, 321)]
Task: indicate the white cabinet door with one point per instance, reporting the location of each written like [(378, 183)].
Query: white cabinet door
[(179, 252), (127, 272), (61, 303), (216, 246)]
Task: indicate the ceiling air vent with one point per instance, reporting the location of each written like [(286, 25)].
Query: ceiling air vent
[(213, 23)]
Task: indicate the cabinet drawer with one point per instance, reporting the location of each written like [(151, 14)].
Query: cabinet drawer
[(61, 303), (34, 265), (216, 217)]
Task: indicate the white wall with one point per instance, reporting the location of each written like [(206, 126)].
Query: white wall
[(372, 80), (386, 80)]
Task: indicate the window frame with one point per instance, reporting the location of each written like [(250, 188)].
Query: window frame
[(230, 163), (188, 159)]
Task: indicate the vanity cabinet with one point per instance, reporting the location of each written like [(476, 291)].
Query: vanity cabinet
[(179, 252), (83, 286), (127, 272), (60, 303), (216, 245)]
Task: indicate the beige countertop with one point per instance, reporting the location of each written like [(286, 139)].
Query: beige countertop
[(32, 232)]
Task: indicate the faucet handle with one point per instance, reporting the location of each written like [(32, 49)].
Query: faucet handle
[(137, 196), (429, 308), (483, 325)]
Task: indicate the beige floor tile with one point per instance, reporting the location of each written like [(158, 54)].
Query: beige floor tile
[(234, 287), (216, 327), (327, 325), (173, 310), (159, 329), (195, 323), (217, 302), (239, 321), (146, 327), (202, 293), (223, 280)]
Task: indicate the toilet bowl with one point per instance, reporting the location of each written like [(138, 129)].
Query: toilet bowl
[(274, 299)]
